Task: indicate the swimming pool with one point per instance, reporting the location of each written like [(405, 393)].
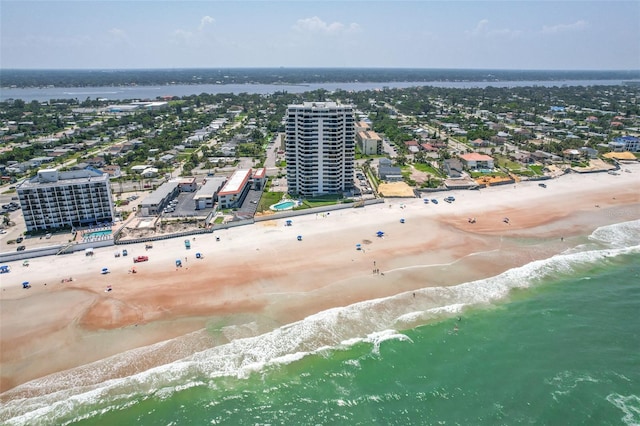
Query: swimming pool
[(283, 205), (97, 234)]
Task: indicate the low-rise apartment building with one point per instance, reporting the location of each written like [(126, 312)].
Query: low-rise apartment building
[(369, 142)]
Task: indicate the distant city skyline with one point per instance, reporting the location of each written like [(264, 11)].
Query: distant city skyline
[(544, 35)]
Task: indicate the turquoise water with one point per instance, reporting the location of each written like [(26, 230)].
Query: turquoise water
[(555, 342), (97, 234), (283, 205)]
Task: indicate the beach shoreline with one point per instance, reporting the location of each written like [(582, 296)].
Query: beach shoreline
[(261, 274)]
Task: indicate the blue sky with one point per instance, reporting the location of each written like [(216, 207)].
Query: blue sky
[(342, 33)]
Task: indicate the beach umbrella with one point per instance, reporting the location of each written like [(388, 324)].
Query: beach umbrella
[(105, 270), (25, 284)]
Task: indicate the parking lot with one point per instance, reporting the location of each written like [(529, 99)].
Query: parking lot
[(183, 205)]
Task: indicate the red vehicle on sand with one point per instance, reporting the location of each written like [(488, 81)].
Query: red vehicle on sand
[(140, 259)]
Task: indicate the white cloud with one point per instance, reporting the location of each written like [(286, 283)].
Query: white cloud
[(117, 35), (560, 28), (317, 25), (194, 36), (482, 29), (206, 20)]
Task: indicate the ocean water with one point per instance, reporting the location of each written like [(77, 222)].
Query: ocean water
[(554, 342)]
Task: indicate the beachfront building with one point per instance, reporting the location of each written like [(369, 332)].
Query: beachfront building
[(477, 161), (626, 143), (54, 199), (320, 148), (157, 200), (205, 197), (388, 172), (235, 189)]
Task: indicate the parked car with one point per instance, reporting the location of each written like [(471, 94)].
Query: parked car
[(434, 201), (125, 252), (20, 248), (140, 259), (542, 185), (19, 240)]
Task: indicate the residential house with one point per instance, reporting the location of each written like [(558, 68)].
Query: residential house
[(629, 143), (477, 161), (412, 146), (572, 154), (453, 167), (112, 170)]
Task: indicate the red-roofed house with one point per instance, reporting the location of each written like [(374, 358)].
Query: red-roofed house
[(428, 147), (479, 142), (477, 161), (412, 146)]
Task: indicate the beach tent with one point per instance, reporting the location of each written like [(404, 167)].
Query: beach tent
[(105, 270), (198, 256), (299, 237), (380, 233), (178, 263), (26, 284), (358, 246), (289, 222), (402, 220)]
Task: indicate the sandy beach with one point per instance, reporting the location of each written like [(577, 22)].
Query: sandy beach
[(68, 318)]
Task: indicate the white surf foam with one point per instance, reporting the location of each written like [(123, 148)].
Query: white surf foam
[(629, 405)]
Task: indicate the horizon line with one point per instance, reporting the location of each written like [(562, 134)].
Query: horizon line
[(322, 67)]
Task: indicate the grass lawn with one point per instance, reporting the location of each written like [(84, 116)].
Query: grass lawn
[(426, 168), (269, 198), (324, 200), (506, 162), (537, 169)]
